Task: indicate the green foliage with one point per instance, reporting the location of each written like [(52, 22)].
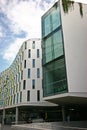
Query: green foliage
[(68, 5)]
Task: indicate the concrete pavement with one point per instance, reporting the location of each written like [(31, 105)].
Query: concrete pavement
[(47, 126)]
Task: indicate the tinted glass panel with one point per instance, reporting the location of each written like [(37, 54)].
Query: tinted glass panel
[(54, 78)]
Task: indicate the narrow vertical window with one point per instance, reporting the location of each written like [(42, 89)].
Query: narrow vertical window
[(25, 45), (29, 53), (38, 53), (21, 74), (28, 73), (17, 97), (28, 95), (24, 63), (20, 96), (18, 77), (24, 84), (38, 73), (33, 45), (38, 95), (14, 99), (33, 63), (19, 86), (33, 84), (20, 66), (22, 55)]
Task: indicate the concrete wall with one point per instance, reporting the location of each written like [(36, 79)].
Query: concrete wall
[(75, 45)]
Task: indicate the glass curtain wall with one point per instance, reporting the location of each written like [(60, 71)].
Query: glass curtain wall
[(54, 72)]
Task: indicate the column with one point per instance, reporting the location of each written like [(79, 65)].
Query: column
[(16, 120), (63, 113)]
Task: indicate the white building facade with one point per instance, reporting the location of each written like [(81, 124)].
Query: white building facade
[(21, 84)]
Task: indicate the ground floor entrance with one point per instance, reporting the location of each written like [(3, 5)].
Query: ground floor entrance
[(26, 114)]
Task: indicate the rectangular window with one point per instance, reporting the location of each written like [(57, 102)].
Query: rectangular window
[(14, 99), (20, 96), (21, 74), (38, 73), (38, 53), (28, 73), (18, 77), (33, 45), (33, 84), (25, 45), (33, 63), (24, 63), (24, 84), (19, 86), (38, 95), (29, 53), (28, 95), (22, 55), (18, 68), (17, 97)]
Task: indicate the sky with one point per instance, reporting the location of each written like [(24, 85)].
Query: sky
[(20, 20)]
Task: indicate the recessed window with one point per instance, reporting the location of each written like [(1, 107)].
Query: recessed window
[(25, 45), (18, 77), (24, 84), (21, 74), (28, 73), (38, 53), (38, 95), (28, 95), (14, 99), (33, 45), (29, 53), (17, 97), (20, 96), (33, 63), (33, 84), (24, 63), (22, 55), (38, 73), (19, 86)]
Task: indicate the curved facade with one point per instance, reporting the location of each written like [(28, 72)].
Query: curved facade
[(21, 83)]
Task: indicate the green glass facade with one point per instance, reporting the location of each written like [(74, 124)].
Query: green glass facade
[(54, 71)]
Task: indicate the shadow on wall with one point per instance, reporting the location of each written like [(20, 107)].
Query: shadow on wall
[(69, 5)]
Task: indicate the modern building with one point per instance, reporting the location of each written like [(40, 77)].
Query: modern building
[(21, 94), (64, 51)]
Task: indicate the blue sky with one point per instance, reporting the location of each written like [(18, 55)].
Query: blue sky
[(19, 20)]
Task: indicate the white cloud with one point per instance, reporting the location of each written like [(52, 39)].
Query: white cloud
[(23, 16), (1, 32), (11, 51), (26, 16)]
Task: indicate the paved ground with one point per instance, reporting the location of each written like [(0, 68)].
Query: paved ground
[(41, 126), (6, 127)]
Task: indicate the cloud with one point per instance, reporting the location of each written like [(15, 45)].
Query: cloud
[(11, 51), (25, 15), (22, 18), (1, 32)]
